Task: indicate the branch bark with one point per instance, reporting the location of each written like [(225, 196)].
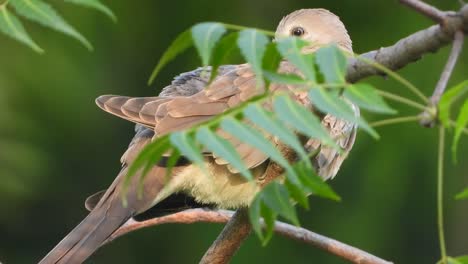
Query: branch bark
[(411, 48), (230, 239), (426, 9), (190, 216)]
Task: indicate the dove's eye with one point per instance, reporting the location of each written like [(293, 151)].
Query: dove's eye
[(297, 31)]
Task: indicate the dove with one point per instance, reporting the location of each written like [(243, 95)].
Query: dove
[(190, 100)]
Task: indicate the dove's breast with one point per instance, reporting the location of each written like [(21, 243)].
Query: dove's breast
[(219, 186)]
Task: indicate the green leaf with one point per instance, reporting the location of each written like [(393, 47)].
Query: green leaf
[(330, 103), (291, 49), (462, 122), (44, 14), (224, 149), (146, 160), (301, 119), (297, 193), (95, 4), (458, 260), (269, 218), (332, 63), (463, 195), (258, 209), (179, 45), (171, 162), (253, 45), (272, 58), (314, 183), (447, 100), (271, 61), (366, 96), (276, 197), (148, 153), (254, 215), (268, 122), (221, 52), (284, 78), (188, 147), (205, 36), (12, 26), (256, 139)]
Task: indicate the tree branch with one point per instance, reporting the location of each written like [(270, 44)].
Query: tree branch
[(426, 9), (452, 60), (409, 49), (429, 116), (190, 216), (229, 240)]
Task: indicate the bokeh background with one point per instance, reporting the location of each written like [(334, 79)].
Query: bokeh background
[(57, 147)]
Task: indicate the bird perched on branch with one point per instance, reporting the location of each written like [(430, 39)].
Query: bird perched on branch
[(182, 105)]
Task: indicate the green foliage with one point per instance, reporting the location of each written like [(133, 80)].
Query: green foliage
[(291, 49), (179, 45), (259, 119), (95, 4), (41, 12), (366, 96), (458, 260), (462, 195), (222, 51), (255, 138), (205, 36), (12, 26), (331, 102), (332, 63), (447, 100), (268, 122), (301, 119), (223, 148), (461, 123), (253, 45)]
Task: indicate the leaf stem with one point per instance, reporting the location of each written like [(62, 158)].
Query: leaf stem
[(401, 99), (395, 76), (396, 120), (239, 28), (440, 208)]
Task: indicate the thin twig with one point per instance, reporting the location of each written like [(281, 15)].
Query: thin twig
[(452, 60), (190, 216), (401, 99), (229, 240), (396, 77), (397, 120), (426, 9), (409, 49), (429, 119), (332, 246)]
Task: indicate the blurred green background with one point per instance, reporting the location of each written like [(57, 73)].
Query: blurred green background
[(57, 147)]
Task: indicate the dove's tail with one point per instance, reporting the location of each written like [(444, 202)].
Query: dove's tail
[(106, 217), (88, 236)]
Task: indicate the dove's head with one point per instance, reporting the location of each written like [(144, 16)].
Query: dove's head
[(318, 26)]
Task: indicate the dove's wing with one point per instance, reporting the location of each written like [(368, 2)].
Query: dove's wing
[(328, 160), (175, 113)]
